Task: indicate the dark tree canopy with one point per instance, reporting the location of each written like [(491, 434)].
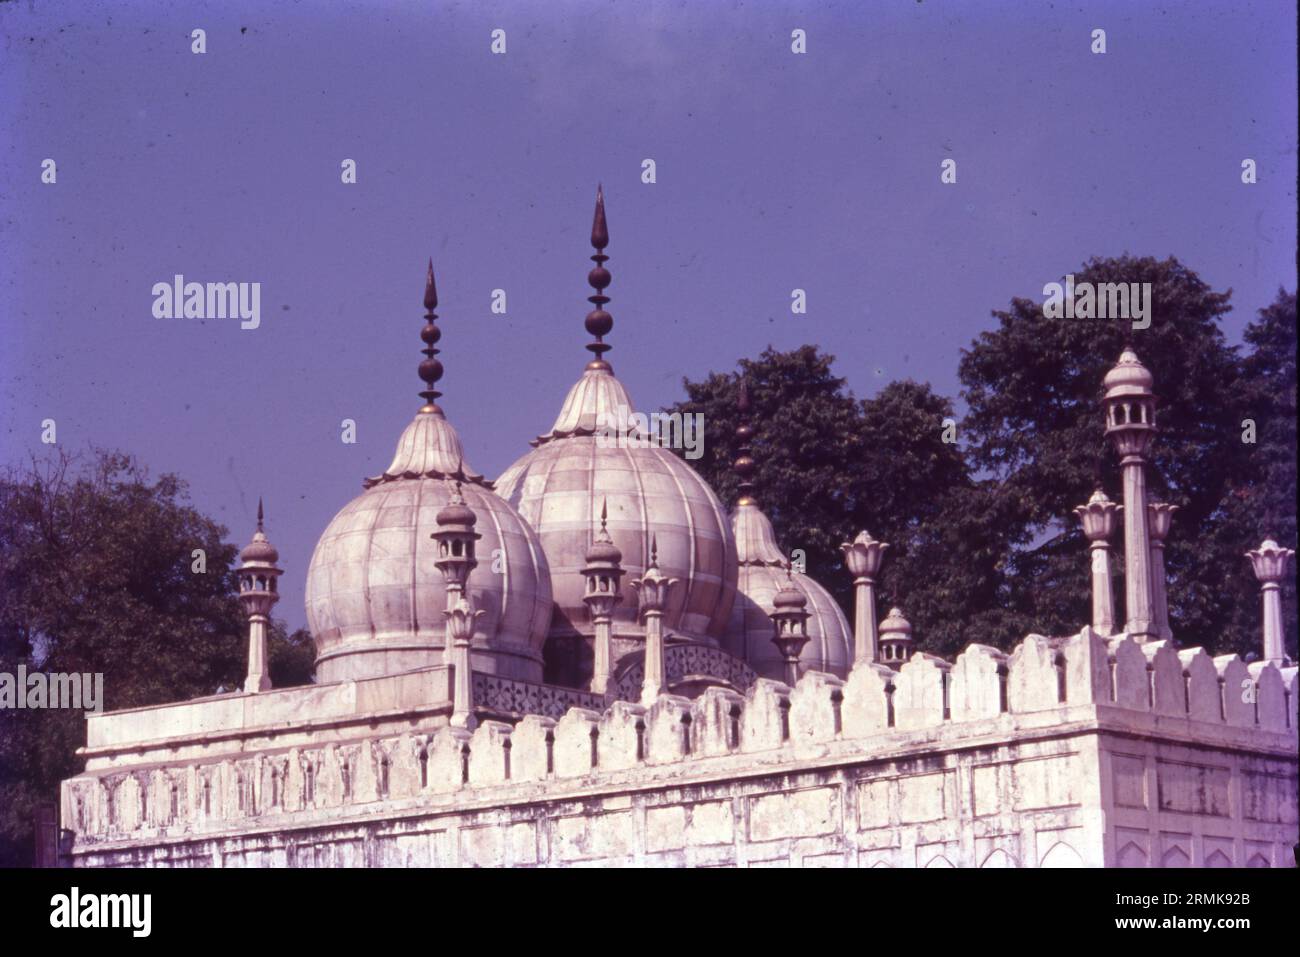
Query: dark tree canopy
[(96, 575), (829, 465), (984, 543), (1034, 430)]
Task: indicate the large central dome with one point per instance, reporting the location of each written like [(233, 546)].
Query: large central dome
[(650, 495), (592, 458)]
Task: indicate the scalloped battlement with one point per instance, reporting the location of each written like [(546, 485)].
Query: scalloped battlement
[(983, 695)]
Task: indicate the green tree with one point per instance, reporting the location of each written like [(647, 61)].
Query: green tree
[(96, 577), (830, 465), (1034, 430)]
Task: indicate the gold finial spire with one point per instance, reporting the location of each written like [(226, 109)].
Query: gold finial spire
[(430, 368), (599, 322)]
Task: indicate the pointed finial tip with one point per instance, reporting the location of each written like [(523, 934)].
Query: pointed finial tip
[(430, 288), (599, 228), (259, 513)]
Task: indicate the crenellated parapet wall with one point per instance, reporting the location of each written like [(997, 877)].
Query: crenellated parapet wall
[(1119, 748)]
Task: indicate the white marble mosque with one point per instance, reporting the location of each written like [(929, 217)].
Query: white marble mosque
[(592, 660)]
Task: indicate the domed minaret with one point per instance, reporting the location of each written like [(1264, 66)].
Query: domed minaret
[(455, 536), (603, 573), (790, 626), (258, 593), (1131, 426)]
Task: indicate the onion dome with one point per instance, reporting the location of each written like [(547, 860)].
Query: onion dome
[(376, 601), (259, 550), (789, 597), (594, 453), (456, 512), (764, 575), (1128, 377), (603, 551)]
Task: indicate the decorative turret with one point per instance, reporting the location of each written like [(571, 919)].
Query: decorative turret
[(790, 626), (456, 537), (652, 597), (1269, 562), (895, 639), (257, 593), (862, 558), (1160, 518), (1131, 426), (603, 573), (1098, 519), (599, 322)]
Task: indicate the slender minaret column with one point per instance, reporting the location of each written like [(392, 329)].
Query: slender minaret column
[(455, 539), (1131, 426), (862, 558), (460, 626), (652, 594), (1270, 561), (603, 572), (257, 593), (1098, 519), (789, 616), (1159, 518)]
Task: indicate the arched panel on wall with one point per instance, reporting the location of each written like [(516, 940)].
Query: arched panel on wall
[(1061, 855), (1131, 855)]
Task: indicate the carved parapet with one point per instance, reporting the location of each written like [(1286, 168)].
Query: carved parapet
[(1168, 693), (867, 693), (449, 753), (490, 754), (577, 743), (716, 721), (1238, 689), (1087, 668), (668, 729), (1034, 680), (816, 709), (1270, 696), (622, 736), (532, 749), (921, 692), (1204, 698), (1131, 680), (977, 684), (765, 723)]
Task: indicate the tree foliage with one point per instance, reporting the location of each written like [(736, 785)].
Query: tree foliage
[(984, 543), (96, 576)]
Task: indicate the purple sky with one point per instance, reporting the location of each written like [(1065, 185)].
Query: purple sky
[(775, 171)]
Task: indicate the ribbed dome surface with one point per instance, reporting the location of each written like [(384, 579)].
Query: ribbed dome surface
[(375, 599), (762, 577), (559, 488)]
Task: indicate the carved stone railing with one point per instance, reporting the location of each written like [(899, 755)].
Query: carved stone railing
[(510, 696), (682, 662)]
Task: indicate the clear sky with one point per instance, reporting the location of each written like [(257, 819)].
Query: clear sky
[(775, 171)]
